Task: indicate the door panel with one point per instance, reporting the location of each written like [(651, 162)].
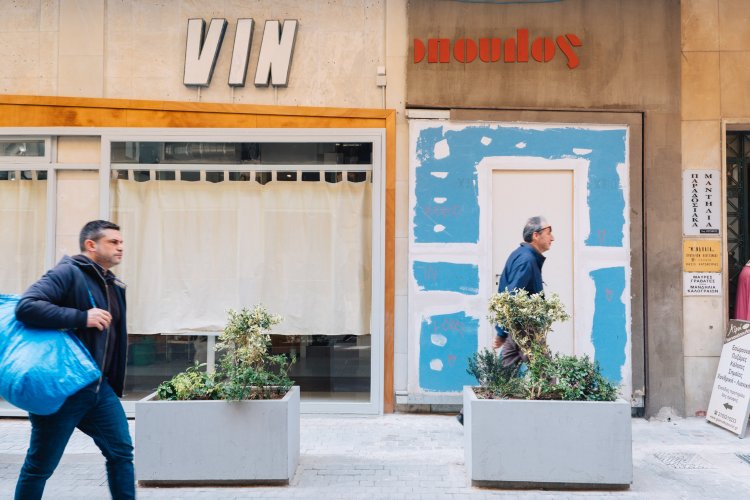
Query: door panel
[(520, 194)]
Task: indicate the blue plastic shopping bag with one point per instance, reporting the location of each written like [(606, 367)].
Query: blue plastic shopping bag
[(39, 369)]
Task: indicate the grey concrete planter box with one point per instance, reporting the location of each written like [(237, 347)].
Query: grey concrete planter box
[(547, 444), (217, 442)]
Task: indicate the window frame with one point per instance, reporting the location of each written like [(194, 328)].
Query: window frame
[(376, 171), (377, 175), (24, 160)]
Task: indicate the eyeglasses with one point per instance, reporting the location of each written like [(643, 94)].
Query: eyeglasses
[(545, 227)]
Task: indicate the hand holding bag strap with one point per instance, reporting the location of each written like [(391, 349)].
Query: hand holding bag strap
[(86, 284)]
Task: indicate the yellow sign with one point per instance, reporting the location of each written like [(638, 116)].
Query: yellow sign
[(701, 256)]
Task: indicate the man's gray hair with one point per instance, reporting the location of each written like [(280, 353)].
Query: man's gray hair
[(533, 225)]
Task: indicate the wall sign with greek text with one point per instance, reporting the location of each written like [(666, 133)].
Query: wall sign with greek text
[(701, 284), (701, 195), (520, 48), (701, 256)]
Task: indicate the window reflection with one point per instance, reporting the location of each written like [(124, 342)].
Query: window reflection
[(328, 367), (152, 359), (33, 148), (242, 153)]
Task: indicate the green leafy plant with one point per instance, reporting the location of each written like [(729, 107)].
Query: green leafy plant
[(495, 380), (580, 379), (246, 369), (529, 318), (193, 383)]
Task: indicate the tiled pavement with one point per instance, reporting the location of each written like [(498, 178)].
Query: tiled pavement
[(415, 456)]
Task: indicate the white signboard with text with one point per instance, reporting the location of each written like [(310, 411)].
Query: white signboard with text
[(701, 195), (730, 399), (701, 283)]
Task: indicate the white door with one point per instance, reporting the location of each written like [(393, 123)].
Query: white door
[(518, 195)]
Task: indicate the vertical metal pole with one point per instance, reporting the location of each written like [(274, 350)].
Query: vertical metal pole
[(104, 179)]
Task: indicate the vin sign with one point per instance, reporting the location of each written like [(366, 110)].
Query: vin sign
[(275, 58)]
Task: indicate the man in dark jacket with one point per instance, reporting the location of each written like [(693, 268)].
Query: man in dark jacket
[(82, 294), (523, 270)]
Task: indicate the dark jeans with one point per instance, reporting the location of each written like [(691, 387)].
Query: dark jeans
[(100, 415)]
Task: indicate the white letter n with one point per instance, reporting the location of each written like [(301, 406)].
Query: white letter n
[(276, 53)]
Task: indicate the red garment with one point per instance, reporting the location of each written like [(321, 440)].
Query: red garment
[(742, 305)]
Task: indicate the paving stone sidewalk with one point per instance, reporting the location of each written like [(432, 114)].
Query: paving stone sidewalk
[(411, 456)]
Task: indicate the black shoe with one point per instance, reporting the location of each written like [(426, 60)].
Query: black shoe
[(460, 418)]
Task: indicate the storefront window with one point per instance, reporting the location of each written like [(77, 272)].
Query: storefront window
[(21, 148), (286, 225), (328, 367), (152, 359), (23, 203)]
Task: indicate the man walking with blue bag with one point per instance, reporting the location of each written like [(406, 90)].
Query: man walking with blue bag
[(82, 294)]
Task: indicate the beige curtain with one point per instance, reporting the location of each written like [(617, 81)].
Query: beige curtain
[(23, 215), (193, 250)]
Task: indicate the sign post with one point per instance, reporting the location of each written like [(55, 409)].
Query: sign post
[(730, 398)]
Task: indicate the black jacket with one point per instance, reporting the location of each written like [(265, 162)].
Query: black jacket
[(60, 299), (523, 270)]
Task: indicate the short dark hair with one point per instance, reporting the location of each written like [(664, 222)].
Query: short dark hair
[(94, 230), (533, 225)]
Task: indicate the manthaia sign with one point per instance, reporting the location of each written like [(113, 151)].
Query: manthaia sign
[(700, 215), (275, 58), (489, 50)]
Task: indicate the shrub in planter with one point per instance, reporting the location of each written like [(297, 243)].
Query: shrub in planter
[(529, 318), (553, 422), (246, 370), (238, 425)]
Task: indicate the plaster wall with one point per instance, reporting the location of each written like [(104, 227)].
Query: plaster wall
[(451, 243)]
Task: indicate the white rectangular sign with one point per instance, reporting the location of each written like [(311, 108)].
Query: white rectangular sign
[(730, 398), (701, 283), (701, 198)]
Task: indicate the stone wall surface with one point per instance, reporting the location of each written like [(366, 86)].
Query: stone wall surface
[(714, 78), (136, 50)]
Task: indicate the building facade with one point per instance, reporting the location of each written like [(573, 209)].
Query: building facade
[(364, 167)]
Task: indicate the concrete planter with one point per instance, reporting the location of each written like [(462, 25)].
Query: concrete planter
[(547, 444), (217, 442)]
